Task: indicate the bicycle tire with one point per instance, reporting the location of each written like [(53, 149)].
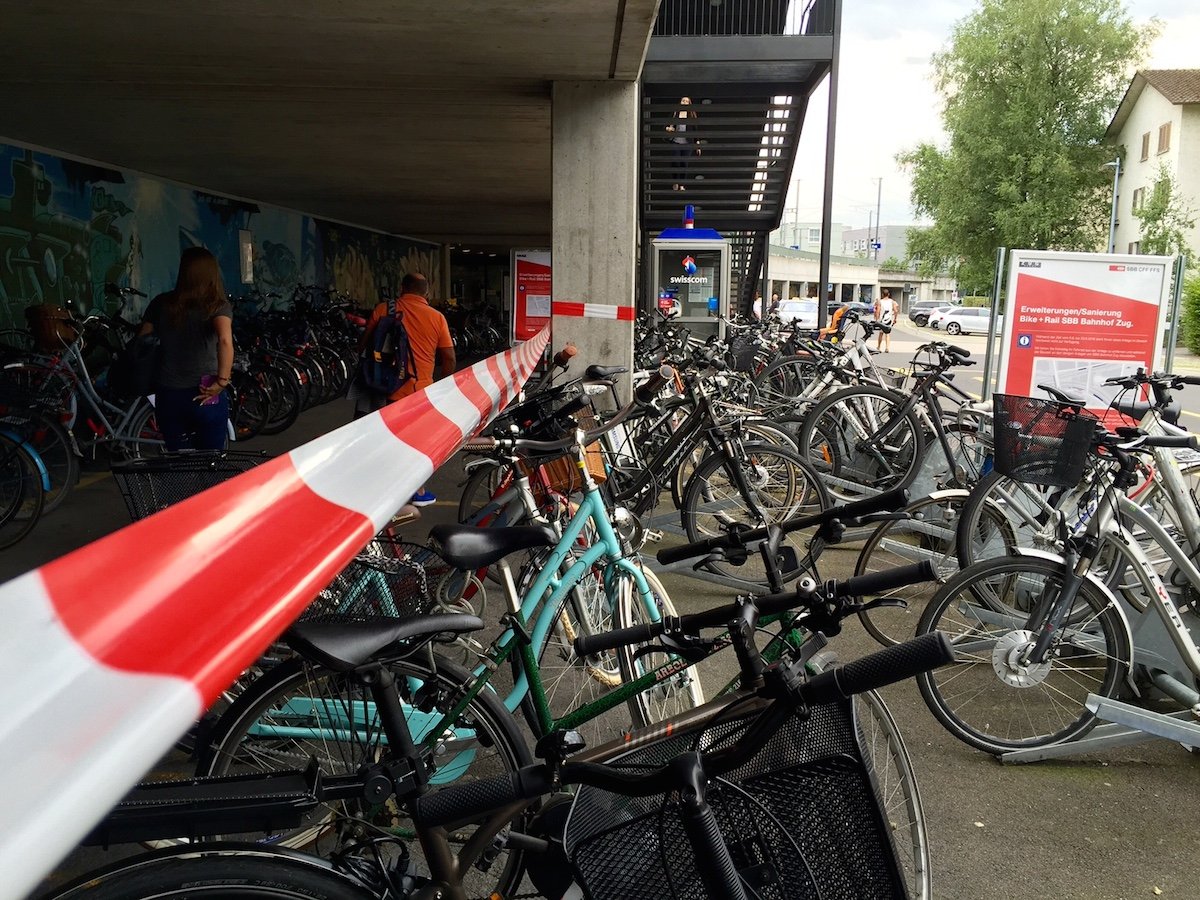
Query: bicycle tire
[(673, 695), (711, 504), (285, 397), (56, 447), (983, 611), (833, 440), (249, 406), (232, 872), (145, 426), (296, 687), (22, 493), (928, 533)]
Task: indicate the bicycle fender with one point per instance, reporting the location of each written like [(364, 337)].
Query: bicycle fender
[(473, 464)]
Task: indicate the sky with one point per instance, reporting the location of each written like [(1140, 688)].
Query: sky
[(887, 103)]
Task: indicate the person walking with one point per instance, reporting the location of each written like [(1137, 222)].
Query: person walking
[(885, 314), (429, 346), (683, 148), (194, 326)]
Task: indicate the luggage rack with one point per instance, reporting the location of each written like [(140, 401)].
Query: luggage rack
[(151, 484)]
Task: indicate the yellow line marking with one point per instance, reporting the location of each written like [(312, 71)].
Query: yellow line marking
[(1196, 415), (90, 478)]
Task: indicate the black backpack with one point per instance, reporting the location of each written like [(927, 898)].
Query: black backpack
[(386, 363)]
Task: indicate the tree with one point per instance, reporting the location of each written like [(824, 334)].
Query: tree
[(894, 264), (1029, 87), (1166, 218)]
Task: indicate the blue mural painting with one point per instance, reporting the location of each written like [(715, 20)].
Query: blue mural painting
[(67, 228)]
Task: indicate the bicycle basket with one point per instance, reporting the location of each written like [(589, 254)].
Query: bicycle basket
[(152, 484), (741, 351), (561, 473), (1039, 441), (802, 820), (391, 579), (52, 327)]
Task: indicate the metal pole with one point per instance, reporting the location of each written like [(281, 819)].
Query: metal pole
[(830, 136), (1112, 222), (1176, 311), (878, 208), (997, 286)]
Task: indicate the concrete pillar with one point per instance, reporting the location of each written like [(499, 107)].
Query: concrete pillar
[(594, 230)]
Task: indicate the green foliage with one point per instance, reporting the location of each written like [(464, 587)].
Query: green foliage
[(976, 301), (1189, 322), (1029, 87), (1166, 217), (894, 264)]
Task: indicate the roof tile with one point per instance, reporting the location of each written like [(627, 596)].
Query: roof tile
[(1177, 85)]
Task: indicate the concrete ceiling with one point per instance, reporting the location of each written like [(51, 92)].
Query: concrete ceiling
[(422, 117)]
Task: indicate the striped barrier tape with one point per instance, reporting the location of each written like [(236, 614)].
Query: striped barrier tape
[(111, 652), (571, 309)]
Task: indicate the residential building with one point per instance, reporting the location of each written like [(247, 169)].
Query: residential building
[(1157, 123), (805, 236)]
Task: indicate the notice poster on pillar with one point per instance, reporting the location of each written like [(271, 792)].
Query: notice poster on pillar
[(531, 293), (1073, 320)]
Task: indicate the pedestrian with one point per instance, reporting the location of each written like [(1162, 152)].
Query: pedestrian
[(429, 346), (194, 327), (885, 314), (756, 309), (682, 147), (774, 304)]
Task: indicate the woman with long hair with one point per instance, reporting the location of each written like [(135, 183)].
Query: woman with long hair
[(194, 325)]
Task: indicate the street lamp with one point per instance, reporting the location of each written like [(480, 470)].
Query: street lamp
[(1112, 222)]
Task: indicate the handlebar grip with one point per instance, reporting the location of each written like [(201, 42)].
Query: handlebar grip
[(564, 356), (714, 862), (478, 444), (959, 351), (882, 582), (683, 551), (1190, 379), (569, 409), (888, 501), (649, 389), (1173, 441), (589, 644), (461, 802), (880, 669)]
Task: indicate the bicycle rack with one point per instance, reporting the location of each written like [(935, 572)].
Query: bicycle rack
[(1129, 725)]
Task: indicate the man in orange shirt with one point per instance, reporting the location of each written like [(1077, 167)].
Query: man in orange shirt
[(429, 343)]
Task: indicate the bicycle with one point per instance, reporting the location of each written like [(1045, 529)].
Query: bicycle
[(1037, 633), (775, 707)]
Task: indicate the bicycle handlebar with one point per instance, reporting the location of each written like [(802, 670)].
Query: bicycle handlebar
[(768, 604), (476, 798), (887, 501)]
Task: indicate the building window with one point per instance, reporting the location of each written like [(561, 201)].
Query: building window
[(1135, 248), (1139, 197), (814, 235), (1164, 137), (1146, 146)]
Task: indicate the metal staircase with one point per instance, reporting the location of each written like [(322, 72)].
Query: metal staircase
[(748, 67)]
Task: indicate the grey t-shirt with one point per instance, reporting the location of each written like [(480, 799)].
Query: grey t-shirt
[(189, 346)]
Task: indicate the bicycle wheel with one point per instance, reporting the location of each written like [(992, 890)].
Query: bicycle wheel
[(860, 443), (988, 698), (927, 534), (149, 440), (232, 873), (22, 492), (297, 711), (891, 771), (672, 695), (57, 449), (780, 383), (1002, 514), (249, 406), (284, 393), (781, 485)]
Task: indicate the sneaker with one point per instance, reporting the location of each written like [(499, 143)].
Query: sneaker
[(424, 498)]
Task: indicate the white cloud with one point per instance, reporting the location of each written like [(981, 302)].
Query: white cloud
[(887, 101)]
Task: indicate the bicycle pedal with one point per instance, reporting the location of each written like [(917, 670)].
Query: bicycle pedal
[(654, 537)]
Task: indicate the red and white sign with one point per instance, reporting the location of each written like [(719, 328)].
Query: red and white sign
[(113, 650), (531, 306), (1073, 320)]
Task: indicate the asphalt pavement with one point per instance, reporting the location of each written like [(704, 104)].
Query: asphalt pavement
[(1115, 825)]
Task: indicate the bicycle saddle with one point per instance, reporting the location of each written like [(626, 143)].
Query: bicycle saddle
[(1060, 396), (1136, 409), (343, 646), (599, 373), (467, 547)]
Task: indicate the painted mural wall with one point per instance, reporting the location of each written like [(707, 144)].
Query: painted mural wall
[(67, 228)]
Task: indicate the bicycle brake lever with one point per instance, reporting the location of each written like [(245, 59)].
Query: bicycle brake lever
[(691, 648), (878, 603), (873, 518)]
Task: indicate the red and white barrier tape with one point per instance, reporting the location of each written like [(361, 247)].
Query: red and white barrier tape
[(111, 652), (571, 309)]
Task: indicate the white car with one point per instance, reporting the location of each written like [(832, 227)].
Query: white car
[(799, 314), (938, 314), (974, 320)]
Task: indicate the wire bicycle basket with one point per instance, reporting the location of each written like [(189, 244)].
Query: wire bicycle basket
[(803, 819), (151, 484), (1041, 442)]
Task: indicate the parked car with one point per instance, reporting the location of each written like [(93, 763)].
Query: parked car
[(800, 314), (938, 314), (975, 320), (866, 310), (918, 313)]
